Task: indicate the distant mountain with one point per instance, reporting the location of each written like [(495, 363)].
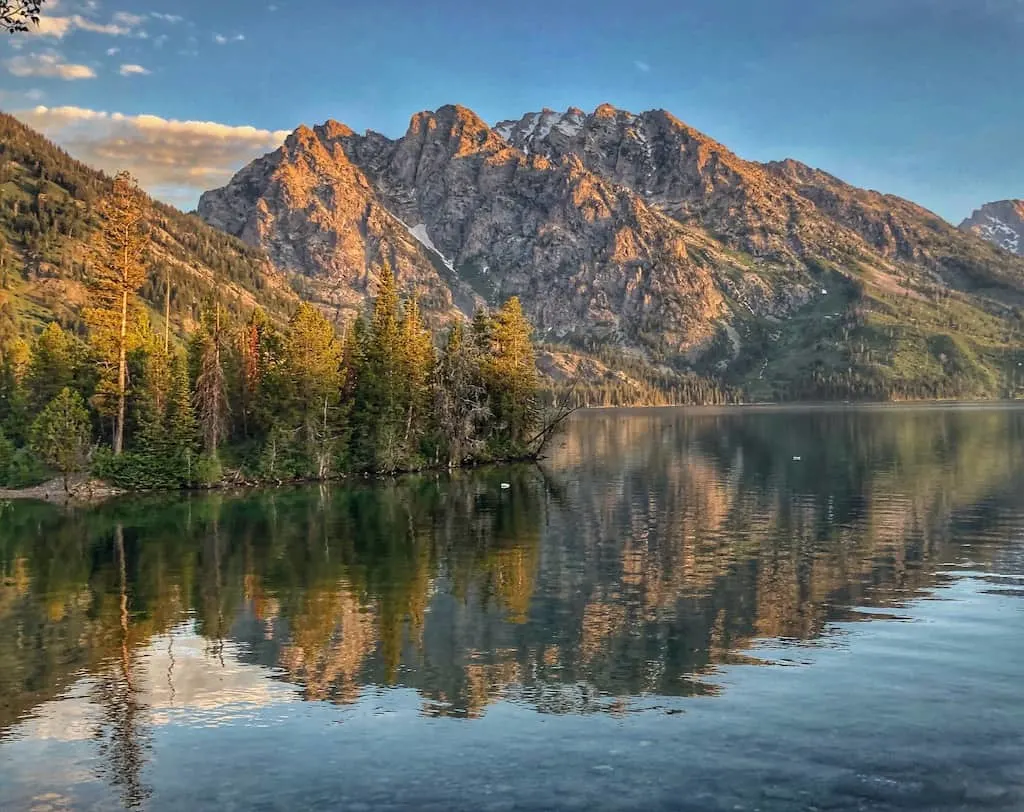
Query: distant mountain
[(637, 242), (47, 215), (1000, 223)]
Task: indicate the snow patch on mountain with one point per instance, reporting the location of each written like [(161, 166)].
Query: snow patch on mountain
[(419, 231), (1001, 223)]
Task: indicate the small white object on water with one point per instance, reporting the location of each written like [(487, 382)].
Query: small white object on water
[(505, 486), (797, 459), (824, 292)]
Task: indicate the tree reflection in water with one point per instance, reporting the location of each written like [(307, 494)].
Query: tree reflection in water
[(653, 548)]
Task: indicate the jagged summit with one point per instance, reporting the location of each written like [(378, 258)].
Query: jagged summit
[(1001, 223)]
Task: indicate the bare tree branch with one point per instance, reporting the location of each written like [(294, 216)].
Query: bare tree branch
[(17, 15)]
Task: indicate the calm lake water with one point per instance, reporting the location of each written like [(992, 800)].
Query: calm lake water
[(695, 610)]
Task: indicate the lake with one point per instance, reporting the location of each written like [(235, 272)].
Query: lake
[(741, 609)]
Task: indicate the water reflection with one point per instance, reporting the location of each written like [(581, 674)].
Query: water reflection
[(651, 549)]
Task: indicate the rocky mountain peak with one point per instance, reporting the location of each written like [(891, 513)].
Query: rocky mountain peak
[(1000, 223), (634, 232), (332, 130), (301, 136)]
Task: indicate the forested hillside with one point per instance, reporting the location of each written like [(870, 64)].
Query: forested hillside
[(48, 214)]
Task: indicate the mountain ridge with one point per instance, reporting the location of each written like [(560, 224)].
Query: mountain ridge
[(1001, 223), (649, 257), (638, 235)]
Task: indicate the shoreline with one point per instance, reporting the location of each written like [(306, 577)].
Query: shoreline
[(85, 491)]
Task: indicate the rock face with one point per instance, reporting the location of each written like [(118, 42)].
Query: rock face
[(624, 233), (1000, 223)]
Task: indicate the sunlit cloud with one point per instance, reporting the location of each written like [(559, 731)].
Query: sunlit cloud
[(59, 27), (133, 70), (49, 65), (173, 160)]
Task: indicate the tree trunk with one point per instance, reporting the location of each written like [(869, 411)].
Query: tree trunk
[(122, 375), (167, 313)]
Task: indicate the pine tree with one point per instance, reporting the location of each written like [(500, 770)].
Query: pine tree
[(417, 362), (251, 368), (180, 420), (211, 392), (14, 410), (117, 274), (379, 403), (152, 399), (52, 366), (511, 372), (60, 435), (312, 357), (459, 397)]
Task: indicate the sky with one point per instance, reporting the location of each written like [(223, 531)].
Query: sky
[(920, 98)]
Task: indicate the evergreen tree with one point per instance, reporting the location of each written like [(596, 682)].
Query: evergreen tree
[(251, 367), (460, 399), (180, 420), (14, 363), (117, 274), (60, 435), (312, 360), (511, 374), (379, 408), (52, 366), (211, 395), (417, 361), (6, 458)]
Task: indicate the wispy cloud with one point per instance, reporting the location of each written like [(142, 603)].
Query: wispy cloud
[(187, 157), (133, 70), (50, 65), (113, 51), (59, 27), (221, 39), (167, 18), (130, 20), (642, 66)]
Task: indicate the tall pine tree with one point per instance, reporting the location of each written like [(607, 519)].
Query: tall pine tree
[(116, 275)]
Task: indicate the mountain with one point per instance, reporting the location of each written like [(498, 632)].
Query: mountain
[(1000, 223), (47, 215), (641, 249)]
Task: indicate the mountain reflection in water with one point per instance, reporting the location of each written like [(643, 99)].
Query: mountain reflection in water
[(653, 549)]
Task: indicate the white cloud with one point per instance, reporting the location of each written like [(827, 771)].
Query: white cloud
[(49, 65), (167, 18), (130, 20), (113, 51), (133, 70), (59, 27), (640, 65), (220, 39), (172, 159)]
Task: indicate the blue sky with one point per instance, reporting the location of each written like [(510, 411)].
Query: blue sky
[(920, 98)]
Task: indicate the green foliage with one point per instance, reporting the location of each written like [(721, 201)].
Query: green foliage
[(510, 375), (60, 435), (208, 470)]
